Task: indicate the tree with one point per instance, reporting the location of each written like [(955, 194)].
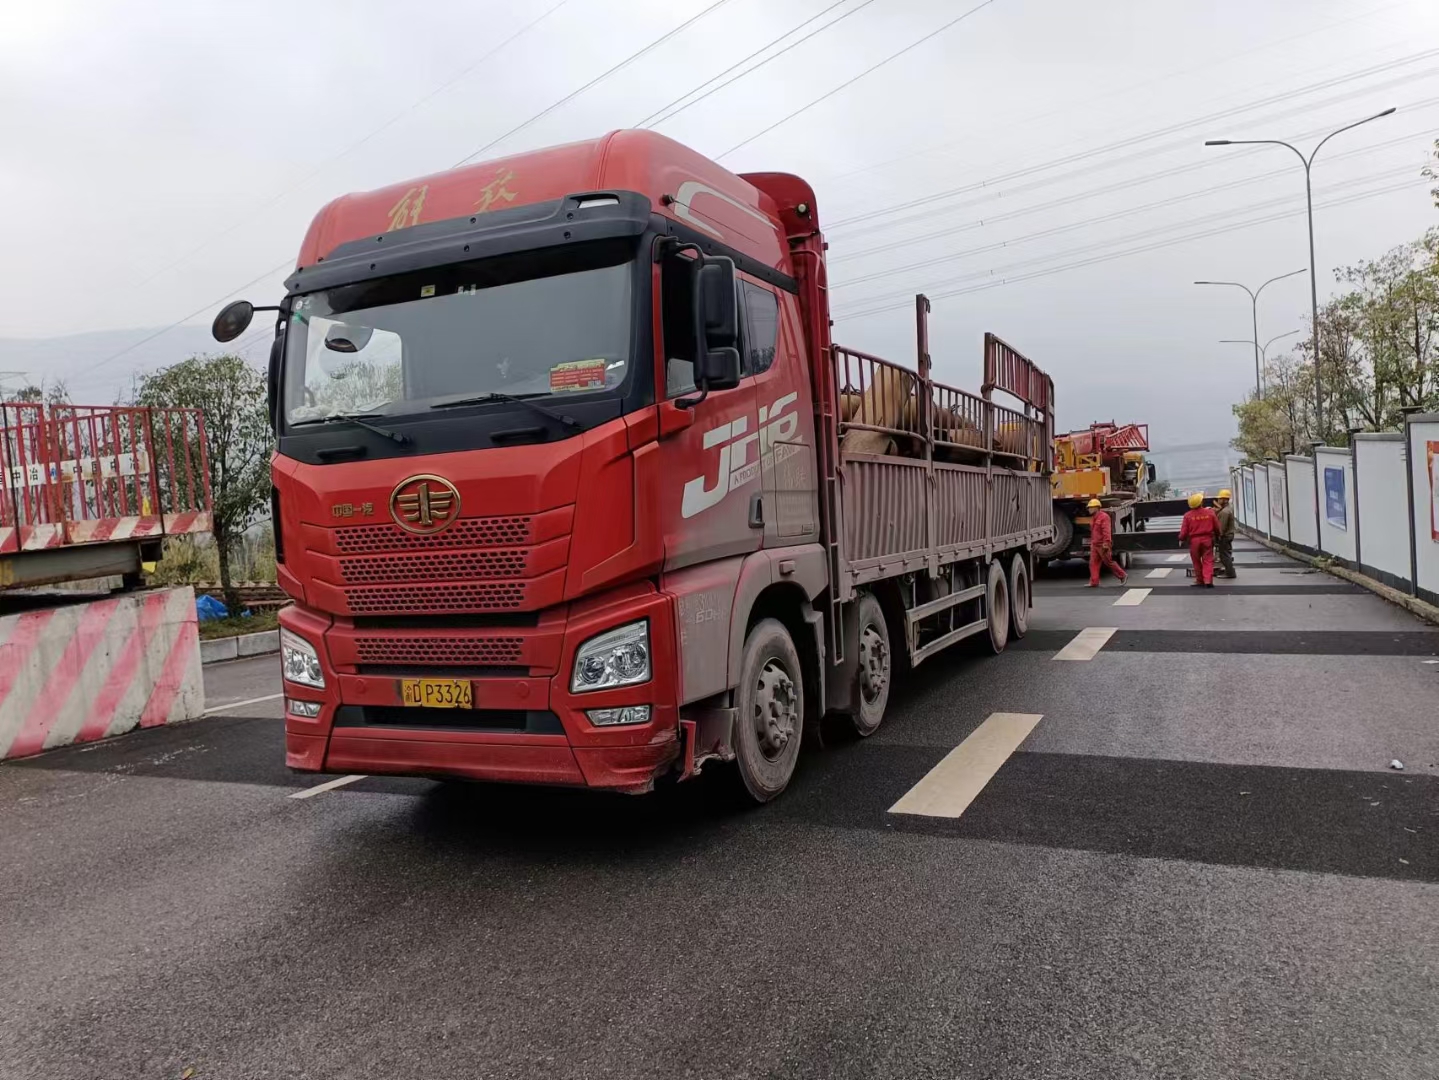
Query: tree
[(45, 392), (230, 394), (1432, 173), (1280, 422)]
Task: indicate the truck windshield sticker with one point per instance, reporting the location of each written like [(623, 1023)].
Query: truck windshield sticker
[(735, 470), (426, 291), (577, 375)]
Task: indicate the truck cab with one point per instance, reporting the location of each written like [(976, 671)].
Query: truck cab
[(532, 418)]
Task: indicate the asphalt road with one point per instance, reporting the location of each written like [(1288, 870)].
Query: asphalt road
[(1196, 865)]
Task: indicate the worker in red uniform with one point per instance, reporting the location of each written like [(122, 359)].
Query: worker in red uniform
[(1200, 527), (1101, 545)]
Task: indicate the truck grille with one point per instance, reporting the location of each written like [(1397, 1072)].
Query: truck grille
[(441, 651), (426, 599), (467, 532), (442, 566)]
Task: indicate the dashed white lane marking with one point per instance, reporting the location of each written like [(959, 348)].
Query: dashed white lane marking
[(1132, 597), (947, 789), (240, 704), (328, 785), (1163, 571), (1086, 643), (1178, 558)]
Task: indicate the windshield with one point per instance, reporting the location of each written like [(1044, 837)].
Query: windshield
[(540, 324)]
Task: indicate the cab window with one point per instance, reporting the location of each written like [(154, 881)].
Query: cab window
[(761, 327)]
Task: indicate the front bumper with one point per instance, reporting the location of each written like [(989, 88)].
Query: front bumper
[(525, 728)]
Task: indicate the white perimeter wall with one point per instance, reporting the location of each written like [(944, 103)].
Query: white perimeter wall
[(1332, 539), (1426, 502), (1261, 498), (1278, 502), (1303, 529), (1383, 504)]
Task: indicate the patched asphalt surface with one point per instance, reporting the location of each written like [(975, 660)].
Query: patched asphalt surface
[(1197, 865)]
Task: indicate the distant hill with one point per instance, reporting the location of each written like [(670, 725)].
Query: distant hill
[(80, 359)]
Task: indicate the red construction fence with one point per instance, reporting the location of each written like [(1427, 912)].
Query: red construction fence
[(84, 474)]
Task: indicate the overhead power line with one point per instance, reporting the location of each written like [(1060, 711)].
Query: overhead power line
[(999, 277), (665, 114), (1133, 140), (1121, 91), (626, 62), (1067, 201), (1155, 230), (351, 148), (850, 82)]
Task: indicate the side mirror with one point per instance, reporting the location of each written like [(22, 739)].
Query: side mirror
[(233, 320), (718, 304), (348, 339), (717, 325), (1153, 473)]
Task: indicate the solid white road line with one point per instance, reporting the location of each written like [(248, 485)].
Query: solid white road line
[(239, 704), (1086, 643), (1180, 557), (947, 789), (1163, 571), (328, 785), (1132, 597)]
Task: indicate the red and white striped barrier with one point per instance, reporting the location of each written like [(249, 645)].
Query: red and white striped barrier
[(80, 672)]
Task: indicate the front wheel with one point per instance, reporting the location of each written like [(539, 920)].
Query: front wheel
[(771, 711), (1018, 596), (996, 602)]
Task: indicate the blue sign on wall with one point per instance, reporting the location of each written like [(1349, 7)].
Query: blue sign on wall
[(1336, 510)]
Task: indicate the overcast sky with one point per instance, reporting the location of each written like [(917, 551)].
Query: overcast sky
[(156, 157)]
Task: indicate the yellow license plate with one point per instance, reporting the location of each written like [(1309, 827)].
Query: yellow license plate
[(437, 693)]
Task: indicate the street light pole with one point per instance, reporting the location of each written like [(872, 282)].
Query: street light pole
[(1254, 314), (1308, 163), (1263, 349)]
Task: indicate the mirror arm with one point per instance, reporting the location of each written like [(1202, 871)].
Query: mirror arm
[(692, 402)]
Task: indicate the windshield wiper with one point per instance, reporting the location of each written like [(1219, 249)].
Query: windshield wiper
[(494, 395), (359, 420)]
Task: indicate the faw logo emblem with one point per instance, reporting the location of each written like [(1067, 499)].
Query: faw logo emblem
[(736, 469), (425, 504)]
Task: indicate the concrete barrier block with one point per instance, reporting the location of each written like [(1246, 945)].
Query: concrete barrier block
[(79, 672), (217, 649), (267, 641)]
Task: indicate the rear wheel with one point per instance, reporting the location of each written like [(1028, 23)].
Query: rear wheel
[(771, 711), (996, 603), (876, 667), (1018, 596)]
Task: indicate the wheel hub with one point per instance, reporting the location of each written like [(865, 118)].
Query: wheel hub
[(775, 719), (873, 663)]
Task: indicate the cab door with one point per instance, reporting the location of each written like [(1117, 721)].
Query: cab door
[(775, 363), (709, 466)]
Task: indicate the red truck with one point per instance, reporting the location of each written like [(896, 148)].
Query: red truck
[(571, 486)]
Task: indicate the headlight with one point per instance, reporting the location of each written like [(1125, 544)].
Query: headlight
[(619, 657), (299, 662), (307, 709)]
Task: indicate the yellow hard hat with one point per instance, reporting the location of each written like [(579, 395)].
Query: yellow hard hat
[(1225, 493), (1095, 504), (1196, 500)]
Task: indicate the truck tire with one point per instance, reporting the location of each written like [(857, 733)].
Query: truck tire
[(876, 668), (770, 723), (1018, 596), (1058, 544), (997, 608)]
